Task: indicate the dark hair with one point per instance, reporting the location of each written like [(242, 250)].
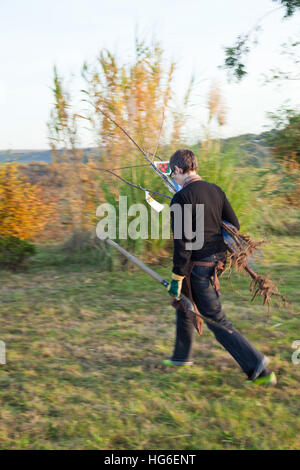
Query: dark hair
[(184, 159)]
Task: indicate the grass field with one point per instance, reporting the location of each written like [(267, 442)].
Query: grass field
[(83, 363)]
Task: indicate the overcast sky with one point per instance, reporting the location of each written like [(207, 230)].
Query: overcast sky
[(36, 34)]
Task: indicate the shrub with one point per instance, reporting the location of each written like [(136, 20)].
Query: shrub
[(23, 210), (14, 252), (241, 184), (84, 248)]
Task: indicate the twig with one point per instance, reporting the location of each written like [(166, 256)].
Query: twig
[(162, 123), (131, 184), (170, 185), (131, 166)]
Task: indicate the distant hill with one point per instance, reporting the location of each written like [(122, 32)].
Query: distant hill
[(252, 148), (28, 156)]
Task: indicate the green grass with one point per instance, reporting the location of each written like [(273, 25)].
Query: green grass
[(83, 363)]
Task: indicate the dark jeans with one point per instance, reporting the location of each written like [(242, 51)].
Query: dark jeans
[(209, 305)]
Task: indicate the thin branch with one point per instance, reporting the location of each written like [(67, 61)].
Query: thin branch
[(133, 185), (166, 180), (261, 18), (153, 155), (131, 166), (159, 136)]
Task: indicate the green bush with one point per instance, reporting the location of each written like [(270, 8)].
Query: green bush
[(241, 184), (14, 252), (84, 248)]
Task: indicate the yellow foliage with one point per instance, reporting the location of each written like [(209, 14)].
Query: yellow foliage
[(138, 97), (23, 212)]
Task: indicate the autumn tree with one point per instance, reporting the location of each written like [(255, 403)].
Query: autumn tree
[(134, 95), (23, 210)]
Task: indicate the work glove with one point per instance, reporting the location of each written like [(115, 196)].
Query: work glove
[(175, 285)]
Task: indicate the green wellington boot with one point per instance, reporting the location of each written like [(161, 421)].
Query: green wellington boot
[(269, 379), (169, 362)]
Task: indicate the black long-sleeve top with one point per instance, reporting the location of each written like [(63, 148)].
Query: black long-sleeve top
[(216, 208)]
